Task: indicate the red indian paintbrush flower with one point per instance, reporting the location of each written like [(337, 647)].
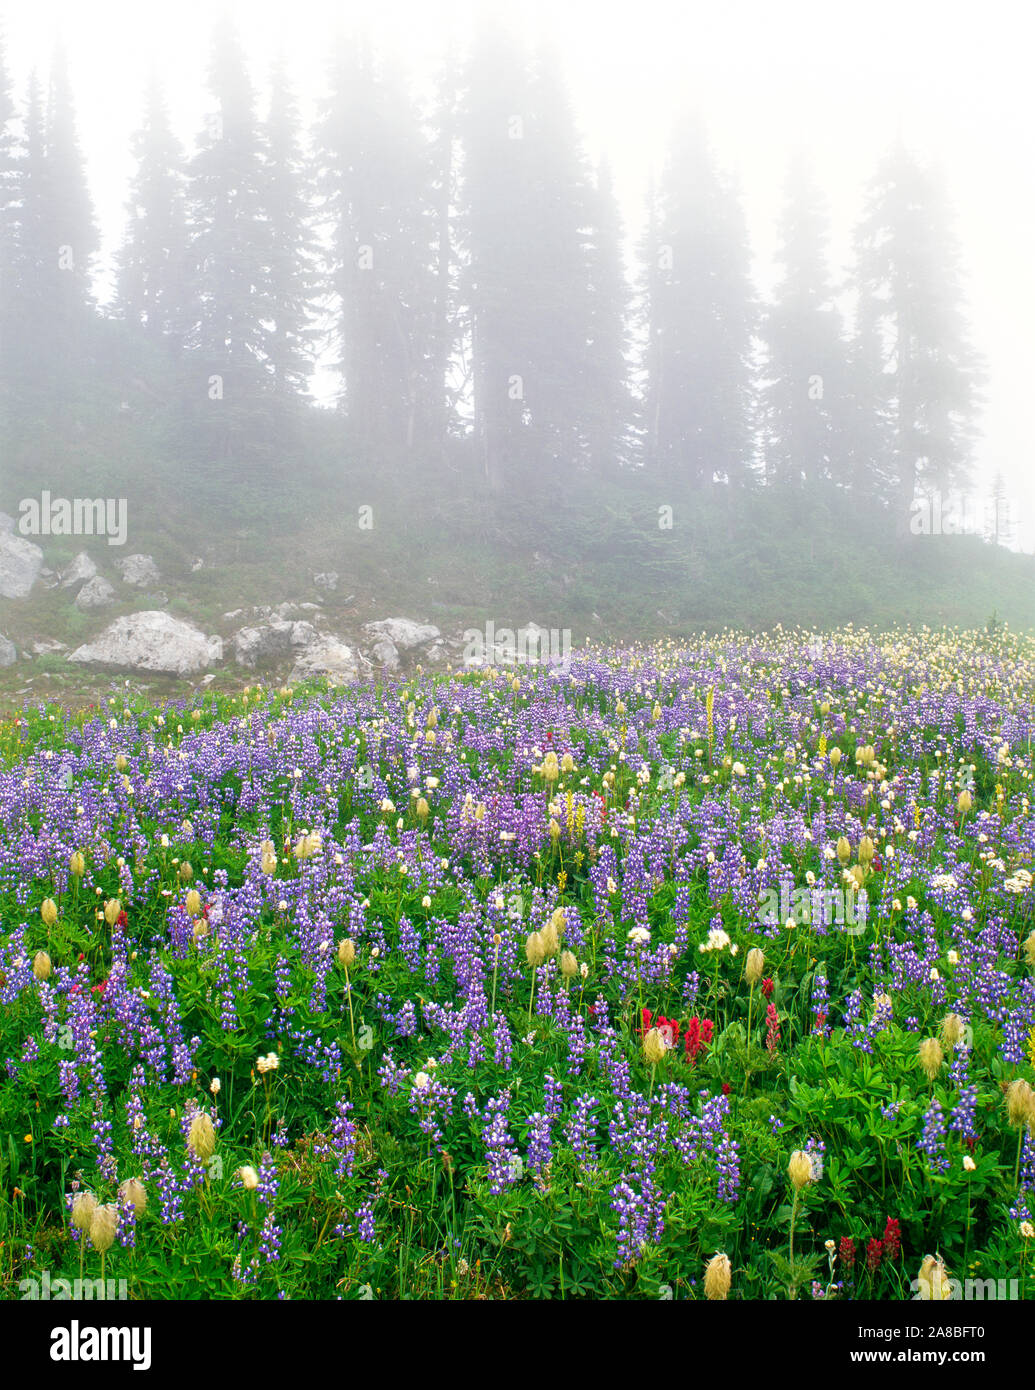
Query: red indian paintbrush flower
[(668, 1028), (874, 1251), (698, 1035), (892, 1238), (846, 1250), (772, 1028)]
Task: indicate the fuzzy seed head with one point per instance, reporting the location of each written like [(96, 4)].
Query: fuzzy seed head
[(535, 952), (717, 1277), (134, 1191), (202, 1136), (931, 1057), (799, 1169), (952, 1030), (548, 936), (103, 1224), (1020, 1103), (653, 1046), (933, 1280), (41, 965), (83, 1205), (754, 966)]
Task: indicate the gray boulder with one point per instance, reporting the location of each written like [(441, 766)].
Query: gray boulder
[(138, 571), (8, 655), (331, 658), (261, 646), (80, 571), (95, 593), (20, 565), (385, 654), (151, 641), (269, 642), (403, 633)]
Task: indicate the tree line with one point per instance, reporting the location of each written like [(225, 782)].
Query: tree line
[(459, 266)]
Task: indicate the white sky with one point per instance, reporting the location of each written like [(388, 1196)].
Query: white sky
[(769, 75)]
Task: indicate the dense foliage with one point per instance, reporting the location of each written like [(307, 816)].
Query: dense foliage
[(529, 982)]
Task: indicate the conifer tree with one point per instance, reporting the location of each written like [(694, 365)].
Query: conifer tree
[(699, 387), (152, 287), (910, 288)]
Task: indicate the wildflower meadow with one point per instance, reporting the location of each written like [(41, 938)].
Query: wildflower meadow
[(697, 971)]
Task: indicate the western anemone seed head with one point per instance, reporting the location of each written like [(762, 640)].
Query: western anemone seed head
[(964, 802), (1020, 1103), (422, 809), (952, 1030), (569, 965), (866, 850), (548, 936), (202, 1137), (835, 756), (112, 908), (103, 1225), (555, 830), (653, 1046), (192, 902), (186, 871), (551, 770), (41, 965), (754, 966), (933, 1280), (268, 863), (931, 1057), (858, 876), (535, 953), (83, 1205), (557, 920), (121, 762), (824, 707), (77, 864), (249, 1177), (199, 929), (567, 763), (717, 1277), (844, 850), (346, 952), (134, 1191), (799, 1169), (49, 912)]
